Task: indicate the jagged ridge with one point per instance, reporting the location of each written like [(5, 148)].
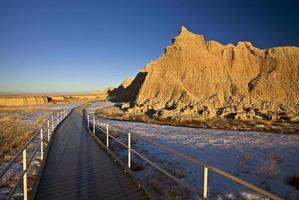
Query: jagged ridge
[(210, 76)]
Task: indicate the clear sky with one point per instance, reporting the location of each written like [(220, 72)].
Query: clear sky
[(72, 46)]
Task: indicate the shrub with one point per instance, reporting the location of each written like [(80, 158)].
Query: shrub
[(269, 167), (294, 181), (244, 159)]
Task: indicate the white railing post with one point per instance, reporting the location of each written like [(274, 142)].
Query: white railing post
[(48, 130), (57, 118), (25, 175), (94, 124), (87, 120), (52, 120), (129, 150), (205, 183), (41, 145), (107, 135)]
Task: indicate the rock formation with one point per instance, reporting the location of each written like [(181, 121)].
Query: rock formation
[(20, 101), (205, 79), (88, 97), (105, 91), (120, 93), (38, 100)]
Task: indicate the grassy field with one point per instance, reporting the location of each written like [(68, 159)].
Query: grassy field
[(17, 124)]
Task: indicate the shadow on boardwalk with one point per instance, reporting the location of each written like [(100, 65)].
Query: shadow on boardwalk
[(77, 168)]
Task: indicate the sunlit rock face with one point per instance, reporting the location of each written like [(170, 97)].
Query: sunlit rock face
[(208, 79), (20, 101)]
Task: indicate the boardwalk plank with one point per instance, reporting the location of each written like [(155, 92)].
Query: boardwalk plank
[(77, 168)]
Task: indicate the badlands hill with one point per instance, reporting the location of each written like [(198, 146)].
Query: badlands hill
[(38, 100), (23, 100), (205, 79), (117, 93)]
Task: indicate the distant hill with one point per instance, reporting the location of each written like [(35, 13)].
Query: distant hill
[(205, 79), (23, 100), (39, 100)]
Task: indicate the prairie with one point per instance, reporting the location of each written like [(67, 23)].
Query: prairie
[(18, 124)]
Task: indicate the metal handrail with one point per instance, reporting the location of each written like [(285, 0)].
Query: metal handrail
[(23, 172), (174, 178), (195, 161), (216, 170), (60, 115), (24, 147)]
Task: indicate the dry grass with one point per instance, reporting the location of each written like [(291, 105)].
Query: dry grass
[(244, 161), (15, 130), (270, 167), (111, 111), (18, 109), (166, 188), (286, 127)]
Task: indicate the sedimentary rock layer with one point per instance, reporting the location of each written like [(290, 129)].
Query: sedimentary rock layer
[(20, 101), (209, 79)]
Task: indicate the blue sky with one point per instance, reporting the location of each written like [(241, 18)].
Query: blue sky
[(70, 46)]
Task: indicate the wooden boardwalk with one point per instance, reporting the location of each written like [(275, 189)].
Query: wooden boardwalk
[(77, 168)]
